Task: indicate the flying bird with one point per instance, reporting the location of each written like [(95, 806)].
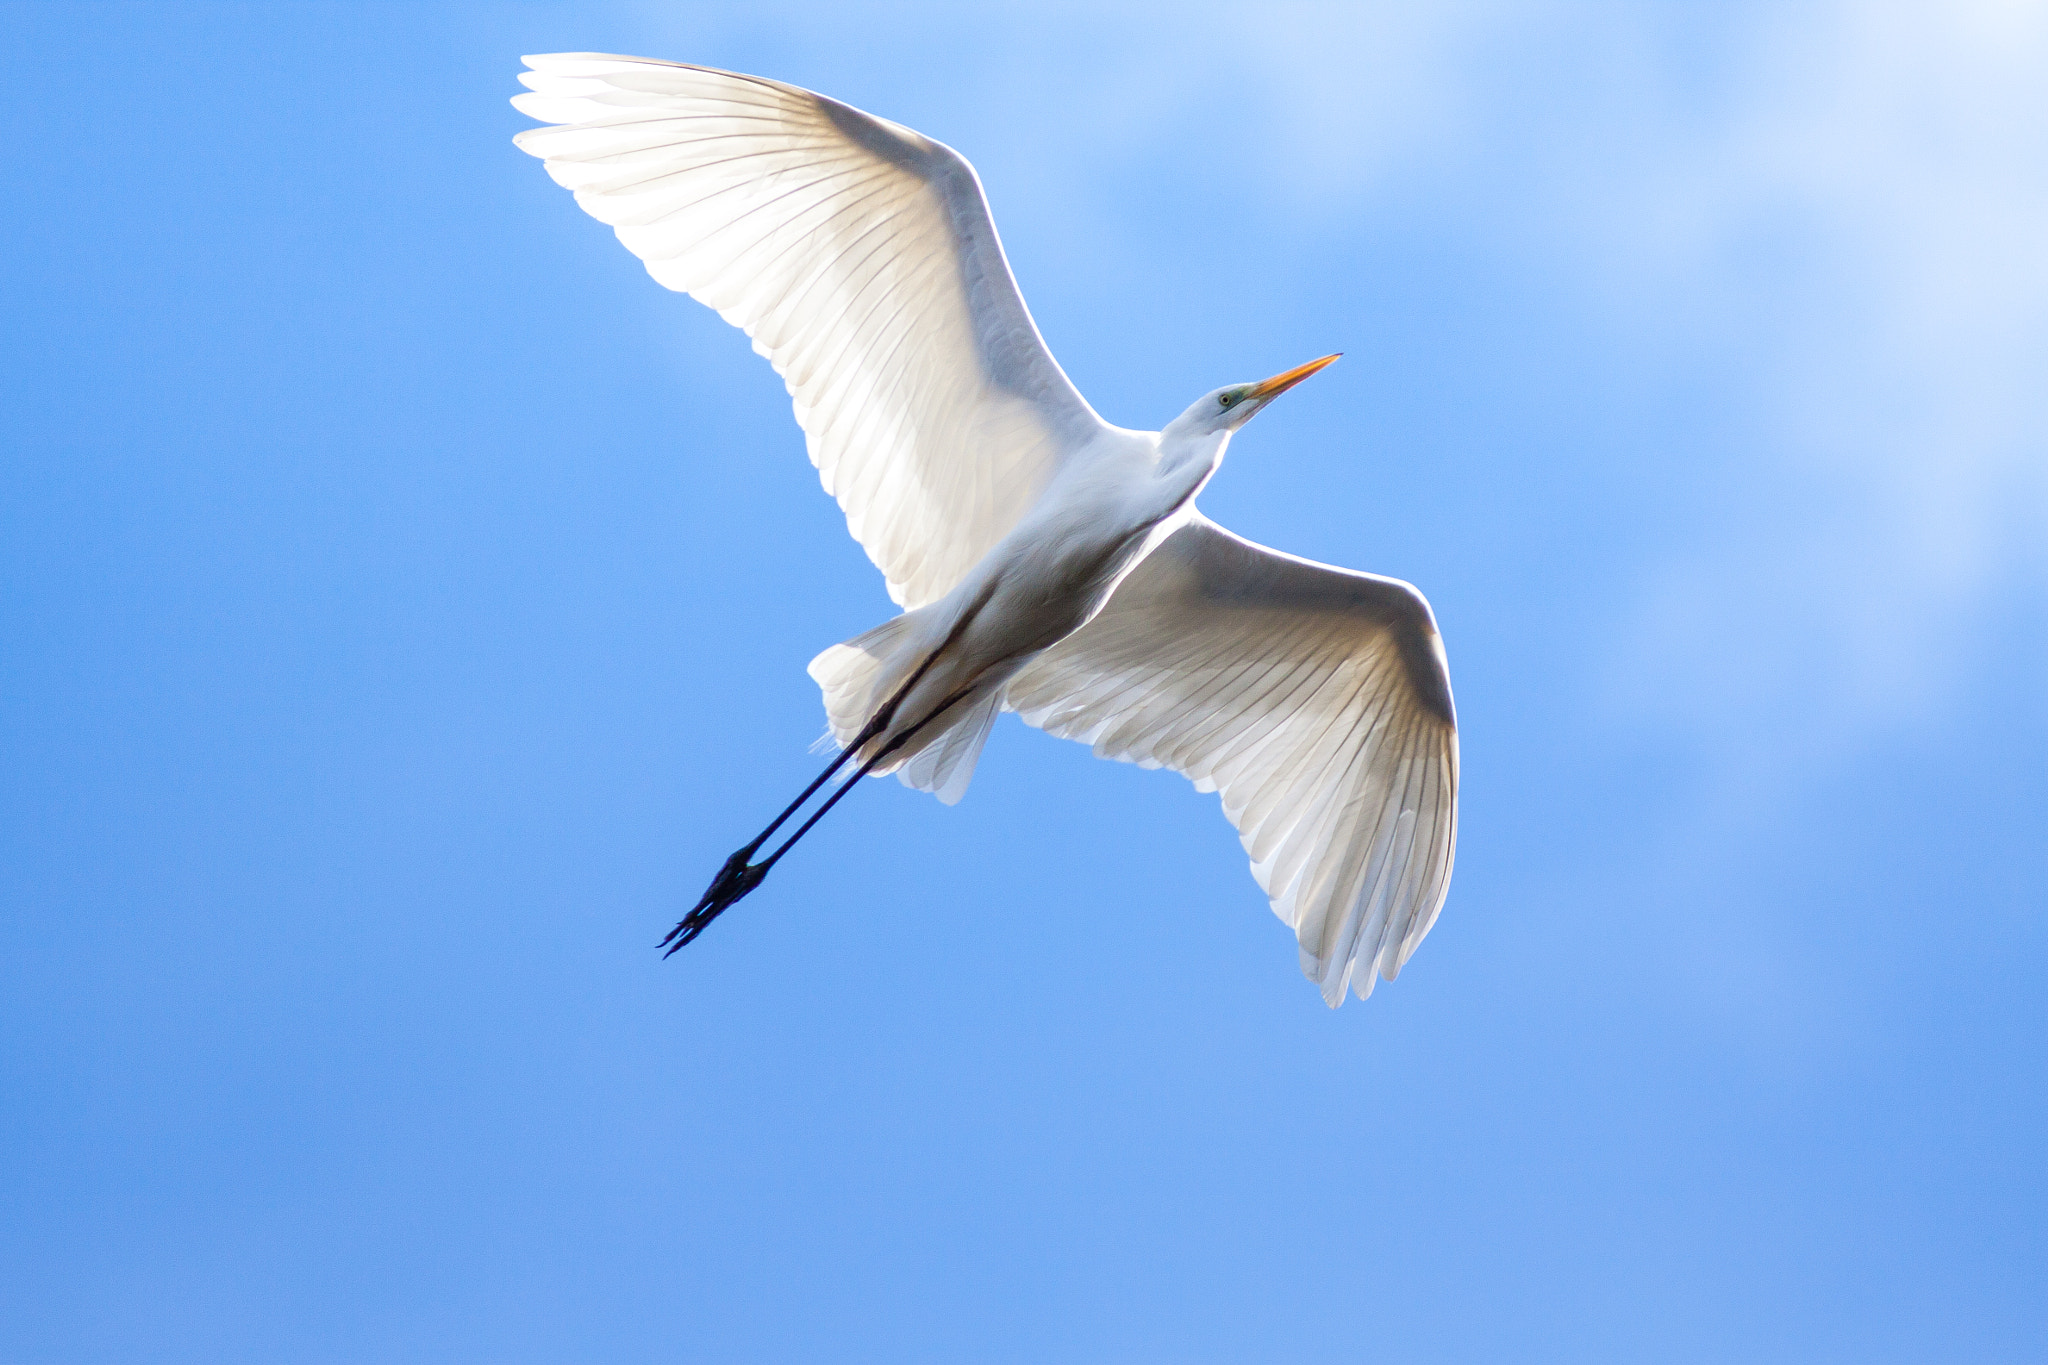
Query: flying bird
[(1046, 562)]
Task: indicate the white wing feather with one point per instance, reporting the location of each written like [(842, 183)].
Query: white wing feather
[(1315, 699), (861, 259)]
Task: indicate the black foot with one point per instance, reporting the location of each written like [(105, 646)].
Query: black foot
[(733, 882)]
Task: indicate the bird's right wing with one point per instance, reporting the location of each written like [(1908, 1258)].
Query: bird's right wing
[(860, 257), (1315, 699)]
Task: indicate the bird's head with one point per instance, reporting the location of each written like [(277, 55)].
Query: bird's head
[(1230, 407)]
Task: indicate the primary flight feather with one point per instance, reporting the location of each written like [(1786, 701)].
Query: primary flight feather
[(1047, 562)]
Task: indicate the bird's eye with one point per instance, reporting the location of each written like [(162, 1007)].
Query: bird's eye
[(1227, 399)]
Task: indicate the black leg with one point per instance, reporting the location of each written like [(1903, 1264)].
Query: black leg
[(891, 747), (740, 874)]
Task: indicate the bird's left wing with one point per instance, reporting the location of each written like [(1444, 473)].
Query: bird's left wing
[(860, 257), (1315, 699)]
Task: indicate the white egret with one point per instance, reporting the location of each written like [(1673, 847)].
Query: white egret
[(1047, 562)]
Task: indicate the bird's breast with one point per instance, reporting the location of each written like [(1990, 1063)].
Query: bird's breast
[(1047, 583)]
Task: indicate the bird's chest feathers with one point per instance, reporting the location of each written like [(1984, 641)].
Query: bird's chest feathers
[(1062, 566)]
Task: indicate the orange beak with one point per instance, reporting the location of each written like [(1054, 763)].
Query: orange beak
[(1281, 383)]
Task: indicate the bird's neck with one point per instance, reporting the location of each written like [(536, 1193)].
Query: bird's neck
[(1186, 460)]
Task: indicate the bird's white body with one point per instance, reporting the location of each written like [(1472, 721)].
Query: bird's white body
[(1048, 562), (1114, 501)]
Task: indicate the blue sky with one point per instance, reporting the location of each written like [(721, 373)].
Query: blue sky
[(407, 604)]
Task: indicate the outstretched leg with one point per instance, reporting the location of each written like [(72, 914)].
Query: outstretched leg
[(741, 875)]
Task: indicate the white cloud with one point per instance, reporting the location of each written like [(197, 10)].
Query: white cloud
[(1870, 181)]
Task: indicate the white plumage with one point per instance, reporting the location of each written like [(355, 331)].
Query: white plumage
[(1313, 698), (861, 259), (1048, 562)]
